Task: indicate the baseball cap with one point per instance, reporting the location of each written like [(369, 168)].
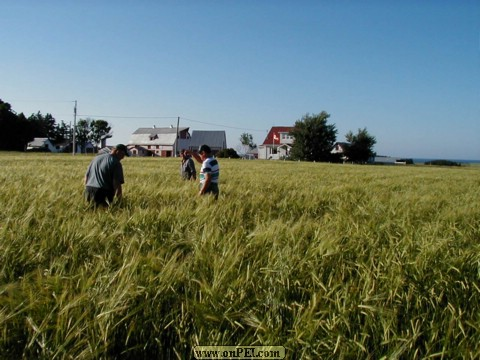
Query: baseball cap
[(123, 148)]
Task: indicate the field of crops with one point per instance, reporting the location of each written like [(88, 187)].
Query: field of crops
[(330, 261)]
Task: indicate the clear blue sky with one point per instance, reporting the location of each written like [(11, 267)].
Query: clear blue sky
[(408, 71)]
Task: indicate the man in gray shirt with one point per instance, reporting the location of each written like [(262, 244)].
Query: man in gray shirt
[(187, 168), (104, 176)]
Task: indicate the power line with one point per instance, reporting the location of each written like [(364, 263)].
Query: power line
[(141, 117), (129, 117), (43, 101), (169, 117), (225, 126)]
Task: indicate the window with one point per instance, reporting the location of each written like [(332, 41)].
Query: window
[(286, 136)]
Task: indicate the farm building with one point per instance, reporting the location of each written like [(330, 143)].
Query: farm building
[(390, 160), (157, 141), (251, 154), (217, 140), (164, 142)]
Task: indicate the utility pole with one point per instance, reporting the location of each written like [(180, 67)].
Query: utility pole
[(74, 147), (176, 141)]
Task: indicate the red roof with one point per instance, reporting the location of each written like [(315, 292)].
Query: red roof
[(276, 130)]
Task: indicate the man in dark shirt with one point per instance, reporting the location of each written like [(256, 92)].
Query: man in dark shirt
[(104, 176), (187, 168)]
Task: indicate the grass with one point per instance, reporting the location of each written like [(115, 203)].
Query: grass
[(330, 261)]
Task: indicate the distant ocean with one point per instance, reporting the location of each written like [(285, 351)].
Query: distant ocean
[(422, 161)]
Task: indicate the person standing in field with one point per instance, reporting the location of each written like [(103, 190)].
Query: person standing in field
[(209, 172), (187, 168), (104, 177)]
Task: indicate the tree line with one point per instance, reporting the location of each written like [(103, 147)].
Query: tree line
[(314, 136), (314, 140), (17, 130)]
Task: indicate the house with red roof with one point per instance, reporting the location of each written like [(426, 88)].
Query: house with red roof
[(277, 144)]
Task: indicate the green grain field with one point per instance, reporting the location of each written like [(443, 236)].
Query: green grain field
[(330, 261)]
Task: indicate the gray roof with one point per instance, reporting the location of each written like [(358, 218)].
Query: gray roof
[(155, 136), (159, 130), (183, 144), (155, 139), (38, 142), (216, 139)]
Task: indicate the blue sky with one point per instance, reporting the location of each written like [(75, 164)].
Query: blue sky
[(408, 71)]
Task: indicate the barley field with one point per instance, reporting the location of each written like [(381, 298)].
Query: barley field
[(330, 261)]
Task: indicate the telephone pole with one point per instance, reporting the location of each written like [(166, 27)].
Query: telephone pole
[(74, 147), (176, 141)]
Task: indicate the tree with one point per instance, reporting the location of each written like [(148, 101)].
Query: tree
[(361, 145), (62, 133), (15, 130), (247, 142), (227, 153), (98, 129), (91, 130), (314, 138), (42, 126), (82, 133)]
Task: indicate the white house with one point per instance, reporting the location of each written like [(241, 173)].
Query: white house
[(340, 149), (157, 141), (277, 144), (41, 144)]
